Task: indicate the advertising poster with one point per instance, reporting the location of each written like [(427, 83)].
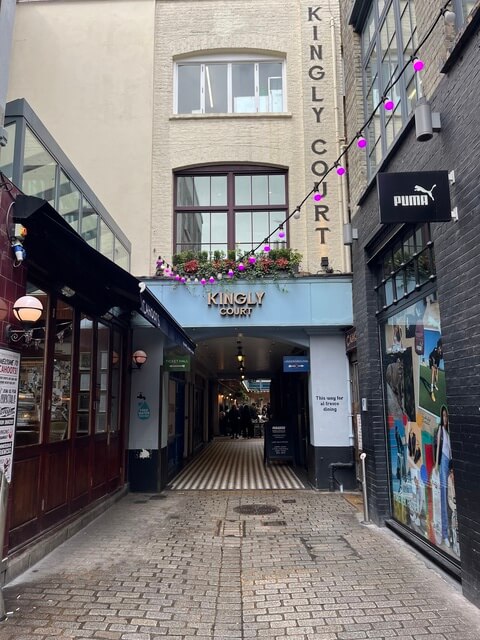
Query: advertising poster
[(9, 376), (421, 471)]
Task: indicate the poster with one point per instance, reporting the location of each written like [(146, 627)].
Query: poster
[(420, 457), (9, 377)]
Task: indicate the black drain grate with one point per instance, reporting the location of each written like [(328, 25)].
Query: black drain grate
[(256, 509), (157, 497), (289, 501), (274, 523), (140, 501)]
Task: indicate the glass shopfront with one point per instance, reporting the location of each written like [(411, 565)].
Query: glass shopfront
[(420, 457)]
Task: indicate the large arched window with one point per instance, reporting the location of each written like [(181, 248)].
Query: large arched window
[(220, 208), (236, 83)]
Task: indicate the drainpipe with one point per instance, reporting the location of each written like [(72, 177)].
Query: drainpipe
[(340, 138), (332, 467), (4, 486)]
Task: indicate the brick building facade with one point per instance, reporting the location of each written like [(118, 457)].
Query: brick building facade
[(445, 299)]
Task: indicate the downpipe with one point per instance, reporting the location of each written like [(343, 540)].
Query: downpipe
[(4, 486), (332, 467)]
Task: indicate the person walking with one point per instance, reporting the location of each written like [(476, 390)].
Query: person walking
[(234, 421), (246, 421)]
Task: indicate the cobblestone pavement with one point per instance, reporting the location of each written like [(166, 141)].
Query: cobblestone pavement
[(188, 565)]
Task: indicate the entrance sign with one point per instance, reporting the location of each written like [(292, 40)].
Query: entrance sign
[(420, 196), (296, 364), (236, 304), (278, 443), (177, 363), (9, 377)]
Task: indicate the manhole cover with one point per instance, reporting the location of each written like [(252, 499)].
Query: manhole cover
[(256, 509), (157, 497)]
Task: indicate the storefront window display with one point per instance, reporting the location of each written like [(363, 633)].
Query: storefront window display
[(421, 471)]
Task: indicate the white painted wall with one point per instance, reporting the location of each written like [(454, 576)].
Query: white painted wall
[(86, 69), (144, 434), (329, 392)]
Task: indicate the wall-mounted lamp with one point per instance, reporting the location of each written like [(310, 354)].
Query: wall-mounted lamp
[(349, 234), (426, 122), (26, 310), (138, 359)]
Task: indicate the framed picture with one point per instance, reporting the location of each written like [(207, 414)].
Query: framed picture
[(85, 361)]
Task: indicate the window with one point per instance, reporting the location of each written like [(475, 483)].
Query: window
[(405, 267), (462, 10), (389, 37), (221, 209), (39, 170), (240, 84)]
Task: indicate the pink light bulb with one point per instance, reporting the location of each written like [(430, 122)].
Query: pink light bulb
[(203, 281), (183, 279), (177, 277), (361, 142), (418, 64), (281, 234), (252, 259), (388, 104), (211, 279), (341, 170), (230, 273), (317, 197), (241, 266), (266, 248)]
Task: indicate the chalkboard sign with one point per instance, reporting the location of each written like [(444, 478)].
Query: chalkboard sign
[(278, 443)]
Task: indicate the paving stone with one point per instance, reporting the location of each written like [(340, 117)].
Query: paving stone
[(138, 573)]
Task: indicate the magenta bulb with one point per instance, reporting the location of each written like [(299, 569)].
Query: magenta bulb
[(203, 281), (266, 248), (361, 142), (241, 266), (177, 277), (389, 104), (340, 170), (252, 259), (281, 234), (230, 273), (211, 279), (183, 279), (418, 64), (317, 197)]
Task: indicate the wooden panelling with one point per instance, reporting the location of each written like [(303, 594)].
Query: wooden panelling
[(113, 463), (25, 491), (80, 455), (56, 478), (99, 470)]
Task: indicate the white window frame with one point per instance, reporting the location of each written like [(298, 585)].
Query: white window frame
[(229, 60)]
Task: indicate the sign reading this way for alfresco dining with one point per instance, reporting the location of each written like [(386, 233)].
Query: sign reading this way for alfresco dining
[(9, 376)]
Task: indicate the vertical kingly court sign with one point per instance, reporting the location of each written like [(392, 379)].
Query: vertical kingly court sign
[(318, 91)]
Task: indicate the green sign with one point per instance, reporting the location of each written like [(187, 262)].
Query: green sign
[(177, 363)]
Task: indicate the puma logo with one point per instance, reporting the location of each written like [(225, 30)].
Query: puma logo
[(426, 191)]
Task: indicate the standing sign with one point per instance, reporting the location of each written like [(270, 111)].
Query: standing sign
[(9, 377), (278, 443), (420, 196)]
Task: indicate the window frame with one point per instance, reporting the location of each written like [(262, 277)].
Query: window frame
[(379, 21), (229, 60), (231, 209)]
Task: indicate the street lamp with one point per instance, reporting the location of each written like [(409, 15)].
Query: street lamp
[(27, 310), (139, 358)]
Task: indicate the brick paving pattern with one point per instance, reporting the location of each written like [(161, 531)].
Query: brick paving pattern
[(190, 566)]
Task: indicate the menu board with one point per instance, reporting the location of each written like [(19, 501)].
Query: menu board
[(9, 376)]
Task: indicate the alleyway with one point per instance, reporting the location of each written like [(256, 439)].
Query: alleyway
[(235, 564)]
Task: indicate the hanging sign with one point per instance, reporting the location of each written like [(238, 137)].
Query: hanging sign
[(420, 196), (9, 377), (177, 363), (296, 364)]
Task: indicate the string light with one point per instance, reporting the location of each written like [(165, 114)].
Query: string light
[(266, 248), (281, 233), (252, 259), (203, 281), (211, 279), (361, 141)]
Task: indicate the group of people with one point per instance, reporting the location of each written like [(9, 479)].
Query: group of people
[(239, 419)]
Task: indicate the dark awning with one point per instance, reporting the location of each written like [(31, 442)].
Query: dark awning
[(62, 258)]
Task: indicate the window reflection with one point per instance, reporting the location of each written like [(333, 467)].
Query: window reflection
[(103, 344), (7, 152), (69, 201), (62, 373), (39, 169), (115, 364)]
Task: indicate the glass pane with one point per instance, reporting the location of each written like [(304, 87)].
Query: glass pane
[(62, 373), (400, 283), (189, 88), (39, 170), (277, 218), (106, 240), (368, 30), (191, 229), (243, 88), (185, 191), (69, 201), (85, 376), (115, 364), (7, 152), (270, 87), (89, 224), (467, 7), (243, 190), (219, 191), (201, 191), (121, 257), (276, 189), (243, 227), (216, 94), (31, 381), (219, 227), (259, 189), (101, 396), (260, 226)]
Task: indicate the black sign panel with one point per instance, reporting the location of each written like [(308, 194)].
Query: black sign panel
[(420, 196), (278, 442)]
